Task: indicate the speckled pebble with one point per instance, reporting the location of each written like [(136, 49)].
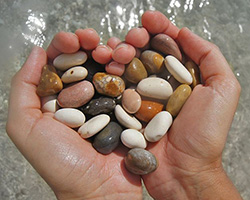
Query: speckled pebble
[(74, 74)]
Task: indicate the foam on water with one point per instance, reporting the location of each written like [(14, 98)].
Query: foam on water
[(24, 23)]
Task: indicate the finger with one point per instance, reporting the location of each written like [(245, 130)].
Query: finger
[(155, 22), (113, 42), (89, 38), (123, 53), (63, 42), (138, 37), (24, 104), (102, 54)]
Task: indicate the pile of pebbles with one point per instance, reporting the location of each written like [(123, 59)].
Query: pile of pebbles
[(134, 104)]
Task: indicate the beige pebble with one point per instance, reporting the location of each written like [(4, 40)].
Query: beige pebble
[(177, 69), (154, 87), (49, 103), (158, 126), (94, 125), (65, 61), (125, 119), (74, 74), (70, 117), (132, 138), (131, 101)]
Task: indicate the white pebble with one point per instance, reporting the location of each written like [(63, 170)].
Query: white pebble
[(154, 87), (49, 104), (94, 125), (65, 61), (158, 126), (74, 74), (125, 119), (178, 70), (132, 138), (70, 117)]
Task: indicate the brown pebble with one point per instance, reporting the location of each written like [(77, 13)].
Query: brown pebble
[(50, 83), (148, 110), (76, 95), (166, 45), (178, 99), (135, 71), (107, 84), (194, 71)]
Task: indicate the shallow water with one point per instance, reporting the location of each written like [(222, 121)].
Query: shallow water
[(24, 23)]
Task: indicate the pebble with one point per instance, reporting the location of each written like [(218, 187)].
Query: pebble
[(109, 85), (135, 71), (49, 104), (50, 83), (158, 126), (178, 99), (178, 70), (101, 105), (148, 110), (132, 138), (140, 161), (76, 95), (108, 139), (70, 117), (166, 45), (125, 119), (74, 74), (152, 61), (66, 61), (131, 101), (94, 125), (115, 68), (154, 87), (194, 71)]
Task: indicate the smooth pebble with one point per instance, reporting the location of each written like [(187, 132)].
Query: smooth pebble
[(74, 74), (108, 139), (178, 70), (131, 101), (140, 161), (194, 71), (70, 117), (132, 138), (158, 126), (155, 87), (49, 104), (66, 61), (93, 125), (125, 119)]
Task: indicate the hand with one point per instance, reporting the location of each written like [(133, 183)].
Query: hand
[(190, 165), (68, 163)]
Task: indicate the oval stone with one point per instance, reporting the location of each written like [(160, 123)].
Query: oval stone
[(140, 161), (194, 71), (76, 95), (158, 126), (49, 104), (166, 45), (178, 99), (65, 61), (154, 87), (94, 125), (125, 119), (110, 85), (177, 69), (108, 139), (74, 74), (70, 117), (131, 101), (135, 71), (50, 83), (148, 110), (152, 61), (100, 105), (132, 138)]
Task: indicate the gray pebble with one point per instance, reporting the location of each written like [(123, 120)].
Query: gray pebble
[(108, 139)]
